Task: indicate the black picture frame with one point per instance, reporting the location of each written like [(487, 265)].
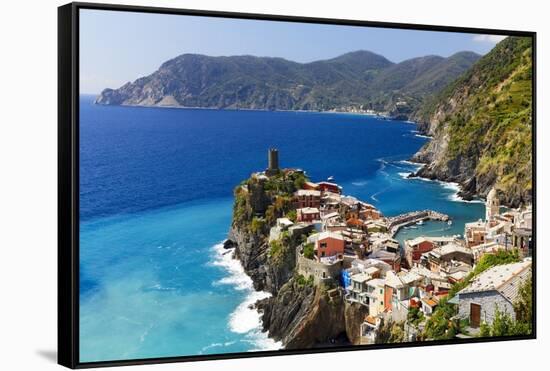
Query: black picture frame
[(68, 180)]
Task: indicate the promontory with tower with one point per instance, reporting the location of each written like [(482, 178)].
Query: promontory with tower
[(332, 253)]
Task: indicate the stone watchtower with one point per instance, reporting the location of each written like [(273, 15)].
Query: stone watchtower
[(492, 205), (273, 162)]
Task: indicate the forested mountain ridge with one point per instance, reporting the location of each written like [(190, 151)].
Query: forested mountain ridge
[(357, 80), (482, 126)]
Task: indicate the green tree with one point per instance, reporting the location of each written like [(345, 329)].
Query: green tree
[(523, 306), (390, 332), (309, 250), (415, 316)]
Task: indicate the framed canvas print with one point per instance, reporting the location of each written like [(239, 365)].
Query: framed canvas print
[(243, 185)]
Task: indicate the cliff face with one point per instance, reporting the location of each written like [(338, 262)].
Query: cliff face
[(482, 126), (303, 316), (299, 313), (354, 315), (258, 204)]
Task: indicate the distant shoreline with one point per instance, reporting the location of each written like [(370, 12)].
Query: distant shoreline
[(375, 115)]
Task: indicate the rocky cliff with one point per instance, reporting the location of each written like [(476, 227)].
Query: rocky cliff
[(482, 126), (303, 316), (299, 313)]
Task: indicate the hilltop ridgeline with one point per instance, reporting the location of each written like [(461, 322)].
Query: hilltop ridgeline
[(358, 80), (482, 126)]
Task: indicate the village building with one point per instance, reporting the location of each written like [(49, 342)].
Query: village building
[(361, 265), (329, 187), (376, 294), (486, 248), (448, 258), (474, 233), (281, 225), (525, 218), (374, 226), (310, 186), (369, 212), (522, 240), (417, 246), (358, 291), (307, 214), (383, 241), (399, 288), (428, 304), (307, 198), (328, 244), (300, 229), (330, 204), (496, 288), (432, 282), (391, 258), (369, 328), (322, 271)]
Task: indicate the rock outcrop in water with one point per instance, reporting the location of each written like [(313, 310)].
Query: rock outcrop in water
[(482, 127)]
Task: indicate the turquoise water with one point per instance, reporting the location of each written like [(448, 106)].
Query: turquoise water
[(156, 195)]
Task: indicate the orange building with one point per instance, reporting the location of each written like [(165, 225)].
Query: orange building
[(330, 244)]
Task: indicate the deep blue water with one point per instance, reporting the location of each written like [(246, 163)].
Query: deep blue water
[(156, 193)]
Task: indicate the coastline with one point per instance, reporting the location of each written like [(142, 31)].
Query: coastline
[(370, 114), (454, 186), (245, 319)]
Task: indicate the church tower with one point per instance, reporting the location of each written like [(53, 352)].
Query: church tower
[(492, 205)]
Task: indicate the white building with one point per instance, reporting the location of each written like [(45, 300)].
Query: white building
[(497, 287)]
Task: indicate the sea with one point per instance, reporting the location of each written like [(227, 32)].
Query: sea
[(156, 188)]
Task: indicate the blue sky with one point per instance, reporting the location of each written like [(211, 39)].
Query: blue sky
[(117, 47)]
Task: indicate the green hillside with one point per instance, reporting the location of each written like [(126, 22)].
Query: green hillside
[(355, 80), (482, 125)]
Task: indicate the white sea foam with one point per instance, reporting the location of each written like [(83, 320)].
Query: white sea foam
[(262, 342), (237, 277), (245, 319), (404, 175), (452, 186), (423, 136), (216, 345), (410, 163), (360, 183)]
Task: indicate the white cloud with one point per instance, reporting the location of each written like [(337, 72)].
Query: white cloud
[(489, 38)]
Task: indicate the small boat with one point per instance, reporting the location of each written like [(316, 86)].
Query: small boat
[(330, 178), (450, 222), (420, 222)]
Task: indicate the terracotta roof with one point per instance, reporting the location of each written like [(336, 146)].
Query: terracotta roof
[(371, 320), (429, 301), (354, 221)]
